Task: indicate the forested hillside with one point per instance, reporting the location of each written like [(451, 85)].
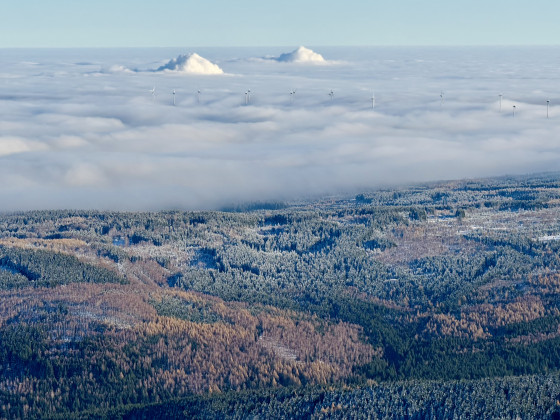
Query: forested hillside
[(436, 300)]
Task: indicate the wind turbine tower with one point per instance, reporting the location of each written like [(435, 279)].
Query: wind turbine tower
[(292, 95), (547, 104), (331, 94), (173, 97), (514, 110), (247, 96), (372, 100)]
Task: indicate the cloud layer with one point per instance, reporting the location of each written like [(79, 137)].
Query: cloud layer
[(75, 136)]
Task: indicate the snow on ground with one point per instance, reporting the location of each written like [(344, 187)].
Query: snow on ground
[(301, 55)]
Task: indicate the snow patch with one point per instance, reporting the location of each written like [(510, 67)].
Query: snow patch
[(549, 238)]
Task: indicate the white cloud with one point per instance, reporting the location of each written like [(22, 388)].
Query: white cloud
[(117, 68), (69, 141), (301, 55), (191, 64), (13, 145), (85, 175)]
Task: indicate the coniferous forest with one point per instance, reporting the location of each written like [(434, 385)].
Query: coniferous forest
[(438, 300)]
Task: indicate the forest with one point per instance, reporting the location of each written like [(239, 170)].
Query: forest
[(436, 300)]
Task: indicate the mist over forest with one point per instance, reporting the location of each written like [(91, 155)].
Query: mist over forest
[(97, 128)]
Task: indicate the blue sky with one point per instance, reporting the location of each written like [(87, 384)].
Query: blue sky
[(170, 23)]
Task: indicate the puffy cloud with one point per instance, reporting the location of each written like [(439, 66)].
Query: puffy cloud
[(119, 69), (301, 55), (13, 145), (191, 64)]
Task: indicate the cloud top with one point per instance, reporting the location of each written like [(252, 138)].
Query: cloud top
[(301, 55), (191, 64)]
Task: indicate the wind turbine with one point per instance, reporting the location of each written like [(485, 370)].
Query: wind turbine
[(441, 96), (500, 95), (372, 100), (247, 96), (331, 94), (173, 97), (292, 95), (153, 91), (514, 110), (198, 96), (547, 104)]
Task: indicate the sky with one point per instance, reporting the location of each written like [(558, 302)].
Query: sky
[(226, 23), (81, 129)]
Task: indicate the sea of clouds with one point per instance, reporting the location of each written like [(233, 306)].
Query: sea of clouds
[(82, 129)]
